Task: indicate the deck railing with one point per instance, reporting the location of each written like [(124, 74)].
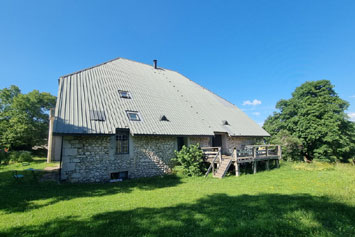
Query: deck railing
[(259, 151), (255, 153), (212, 153)]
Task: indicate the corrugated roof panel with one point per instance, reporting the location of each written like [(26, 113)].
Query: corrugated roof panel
[(190, 108)]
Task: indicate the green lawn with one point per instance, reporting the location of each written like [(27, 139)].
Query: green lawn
[(295, 200)]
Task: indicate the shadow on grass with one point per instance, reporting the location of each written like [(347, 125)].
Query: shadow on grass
[(19, 196), (215, 215)]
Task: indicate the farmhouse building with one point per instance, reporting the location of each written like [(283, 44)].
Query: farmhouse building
[(125, 119)]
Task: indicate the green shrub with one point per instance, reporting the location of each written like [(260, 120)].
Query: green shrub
[(4, 157), (25, 156), (14, 156), (20, 156), (190, 158)]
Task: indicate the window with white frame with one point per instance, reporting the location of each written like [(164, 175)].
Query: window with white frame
[(133, 115), (125, 94)]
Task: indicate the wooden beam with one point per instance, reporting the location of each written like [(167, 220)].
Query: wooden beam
[(237, 169), (255, 164), (268, 165)]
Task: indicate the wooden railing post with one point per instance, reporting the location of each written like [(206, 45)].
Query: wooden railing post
[(254, 162), (237, 166), (279, 156), (279, 151), (212, 167), (220, 155), (266, 150), (254, 152)]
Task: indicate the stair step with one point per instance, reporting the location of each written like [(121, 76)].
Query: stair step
[(222, 169)]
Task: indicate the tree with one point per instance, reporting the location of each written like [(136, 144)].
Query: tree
[(315, 115), (24, 118)]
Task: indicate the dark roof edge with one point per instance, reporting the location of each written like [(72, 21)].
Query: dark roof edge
[(88, 68), (175, 135)]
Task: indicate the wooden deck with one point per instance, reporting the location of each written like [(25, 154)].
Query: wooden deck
[(250, 154)]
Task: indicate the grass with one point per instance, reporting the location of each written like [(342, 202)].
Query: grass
[(282, 202)]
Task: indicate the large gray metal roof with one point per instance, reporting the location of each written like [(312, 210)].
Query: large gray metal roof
[(190, 108)]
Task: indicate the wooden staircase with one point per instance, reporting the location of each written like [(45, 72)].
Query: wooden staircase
[(213, 155), (223, 168)]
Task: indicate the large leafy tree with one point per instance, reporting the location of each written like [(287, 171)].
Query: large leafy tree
[(24, 117), (316, 121)]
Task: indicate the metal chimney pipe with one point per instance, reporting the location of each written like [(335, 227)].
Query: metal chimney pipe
[(155, 63)]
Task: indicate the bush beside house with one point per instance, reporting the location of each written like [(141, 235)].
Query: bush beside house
[(190, 158)]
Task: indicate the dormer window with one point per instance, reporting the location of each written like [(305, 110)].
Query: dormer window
[(164, 118), (125, 94), (225, 122), (133, 115)]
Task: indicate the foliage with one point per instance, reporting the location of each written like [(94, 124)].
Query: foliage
[(15, 156), (190, 159), (315, 116), (291, 145), (25, 156), (274, 203), (24, 118), (4, 157)]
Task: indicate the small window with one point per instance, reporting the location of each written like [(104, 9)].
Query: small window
[(119, 175), (96, 115), (133, 116), (164, 118), (122, 142), (125, 94)]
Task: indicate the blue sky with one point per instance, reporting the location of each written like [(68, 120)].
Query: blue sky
[(253, 53)]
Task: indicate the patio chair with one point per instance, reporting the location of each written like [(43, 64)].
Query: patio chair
[(18, 177)]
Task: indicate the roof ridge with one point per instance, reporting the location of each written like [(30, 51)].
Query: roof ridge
[(109, 61), (88, 68)]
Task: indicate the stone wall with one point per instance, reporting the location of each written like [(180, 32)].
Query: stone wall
[(88, 159), (93, 158), (203, 141), (238, 142), (152, 155)]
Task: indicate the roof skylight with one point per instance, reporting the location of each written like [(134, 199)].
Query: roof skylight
[(97, 115), (133, 115), (125, 94)]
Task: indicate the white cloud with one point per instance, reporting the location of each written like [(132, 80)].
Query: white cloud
[(256, 113), (352, 116), (352, 96), (253, 103)]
